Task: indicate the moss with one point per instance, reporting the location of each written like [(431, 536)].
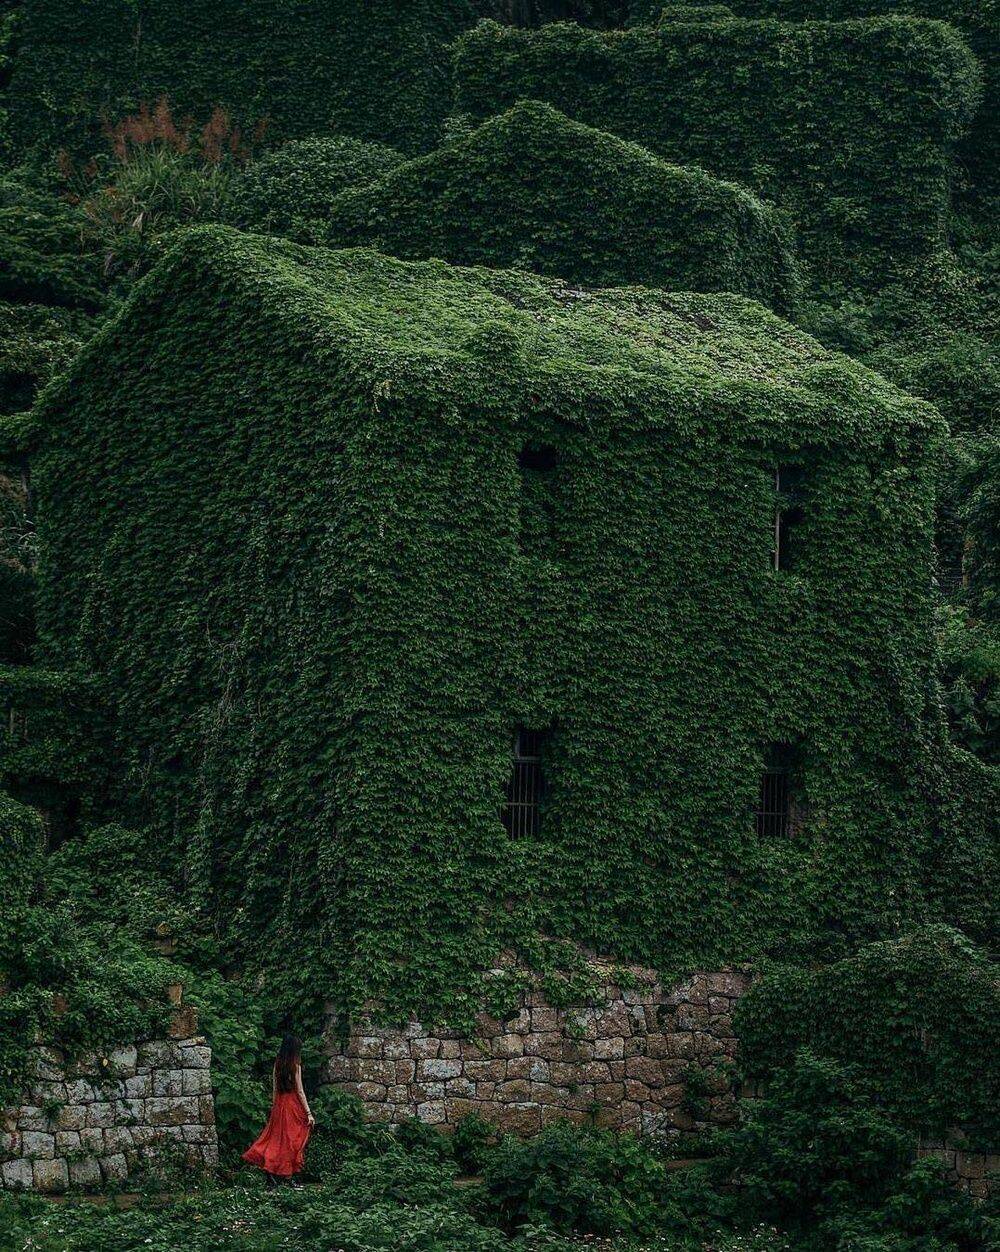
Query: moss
[(534, 190)]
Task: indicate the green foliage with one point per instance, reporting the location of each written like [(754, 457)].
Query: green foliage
[(331, 764), (595, 211), (72, 974), (582, 1182), (970, 659), (288, 191), (818, 1157), (45, 256), (978, 20), (232, 1021), (376, 69), (911, 1018), (849, 127)]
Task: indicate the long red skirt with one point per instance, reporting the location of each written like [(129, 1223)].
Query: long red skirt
[(281, 1147)]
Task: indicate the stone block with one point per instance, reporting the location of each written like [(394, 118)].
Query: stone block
[(369, 1045), (459, 1088), (522, 1119), (210, 1155), (595, 1071), (337, 1069), (456, 1109), (67, 1141), (615, 1020), (139, 1086), (193, 1134), (507, 1046), (424, 1049), (184, 1022), (128, 1112), (544, 1020), (431, 1111), (85, 1173), (38, 1145), (206, 1110), (518, 1023), (48, 1093), (581, 1023), (637, 1091), (17, 1175), (31, 1117), (50, 1175), (451, 1050), (114, 1168), (159, 1054), (520, 1066), (397, 1049), (123, 1061), (371, 1091), (118, 1139), (80, 1091), (46, 1064), (609, 1093), (486, 1071), (438, 1069), (515, 1091), (538, 1069), (545, 1094), (196, 1081), (168, 1082), (607, 1049), (380, 1071), (92, 1140), (172, 1111), (405, 1071)]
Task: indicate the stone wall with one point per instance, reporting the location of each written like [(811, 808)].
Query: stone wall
[(103, 1118), (978, 1173), (638, 1057)]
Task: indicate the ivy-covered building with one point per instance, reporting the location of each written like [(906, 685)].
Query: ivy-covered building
[(435, 609)]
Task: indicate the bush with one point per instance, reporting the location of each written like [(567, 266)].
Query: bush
[(579, 1181), (914, 1018), (818, 1157)]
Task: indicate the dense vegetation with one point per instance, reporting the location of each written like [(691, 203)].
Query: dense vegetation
[(270, 494)]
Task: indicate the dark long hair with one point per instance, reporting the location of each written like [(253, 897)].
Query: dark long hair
[(286, 1062)]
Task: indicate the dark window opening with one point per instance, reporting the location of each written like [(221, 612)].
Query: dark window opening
[(777, 813), (538, 456), (521, 815), (788, 514)]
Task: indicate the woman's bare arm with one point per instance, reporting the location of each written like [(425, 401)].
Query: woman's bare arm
[(302, 1094)]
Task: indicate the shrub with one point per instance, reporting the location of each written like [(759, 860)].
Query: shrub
[(582, 1181), (818, 1157), (914, 1018)]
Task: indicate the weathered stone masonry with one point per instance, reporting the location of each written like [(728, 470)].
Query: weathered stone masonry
[(640, 1057), (101, 1118)]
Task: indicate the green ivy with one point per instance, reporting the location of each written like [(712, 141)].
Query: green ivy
[(330, 593), (849, 126), (595, 211)]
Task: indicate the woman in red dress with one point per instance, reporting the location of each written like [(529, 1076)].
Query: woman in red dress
[(280, 1150)]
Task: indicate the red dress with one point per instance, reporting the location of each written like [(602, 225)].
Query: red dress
[(281, 1147)]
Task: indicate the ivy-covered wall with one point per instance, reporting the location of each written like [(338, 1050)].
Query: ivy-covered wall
[(375, 69), (320, 593), (848, 126), (593, 210), (978, 21)]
